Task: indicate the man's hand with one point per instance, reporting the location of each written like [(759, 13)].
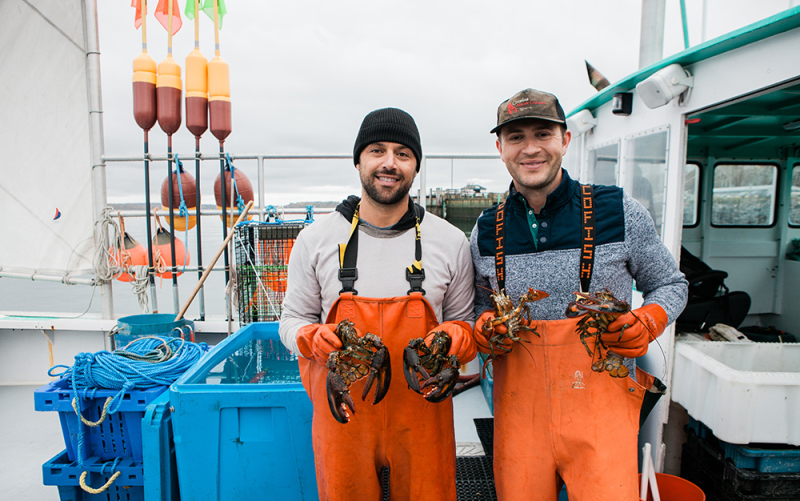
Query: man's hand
[(462, 344), (631, 333), (317, 341), (483, 337)]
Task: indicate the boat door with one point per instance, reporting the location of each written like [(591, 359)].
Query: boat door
[(742, 189)]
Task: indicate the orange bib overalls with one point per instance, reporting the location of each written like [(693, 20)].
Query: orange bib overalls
[(404, 432)]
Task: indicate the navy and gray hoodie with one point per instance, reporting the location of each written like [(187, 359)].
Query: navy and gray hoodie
[(627, 249)]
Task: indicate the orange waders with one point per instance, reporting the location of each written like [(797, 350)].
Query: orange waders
[(404, 432), (555, 417)]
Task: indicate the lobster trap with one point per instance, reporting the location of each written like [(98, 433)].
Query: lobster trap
[(262, 256)]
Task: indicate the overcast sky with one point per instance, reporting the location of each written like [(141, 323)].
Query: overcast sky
[(305, 72)]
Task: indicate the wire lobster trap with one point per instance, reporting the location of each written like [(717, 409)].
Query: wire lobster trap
[(262, 256)]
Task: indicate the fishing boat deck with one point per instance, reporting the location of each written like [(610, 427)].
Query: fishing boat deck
[(31, 438)]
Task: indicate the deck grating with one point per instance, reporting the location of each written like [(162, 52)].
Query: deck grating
[(485, 429)]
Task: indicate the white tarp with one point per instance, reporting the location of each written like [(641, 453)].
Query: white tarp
[(45, 164)]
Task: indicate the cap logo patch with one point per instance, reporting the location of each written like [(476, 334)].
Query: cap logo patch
[(512, 109)]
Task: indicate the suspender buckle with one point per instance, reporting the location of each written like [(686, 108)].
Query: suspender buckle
[(415, 279), (348, 277)]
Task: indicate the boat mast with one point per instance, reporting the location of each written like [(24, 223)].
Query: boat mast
[(651, 36), (95, 99)]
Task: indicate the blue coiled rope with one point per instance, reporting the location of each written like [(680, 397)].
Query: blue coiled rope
[(145, 363)]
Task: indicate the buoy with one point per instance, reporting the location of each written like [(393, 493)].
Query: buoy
[(161, 247), (244, 190), (168, 95), (184, 190), (144, 90), (196, 92), (131, 253), (219, 98)]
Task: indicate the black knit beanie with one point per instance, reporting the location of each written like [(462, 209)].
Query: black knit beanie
[(388, 124)]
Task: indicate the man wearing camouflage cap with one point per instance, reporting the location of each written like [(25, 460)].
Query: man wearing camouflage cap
[(556, 419)]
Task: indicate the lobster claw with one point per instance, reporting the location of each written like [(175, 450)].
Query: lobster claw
[(380, 370), (444, 382), (412, 367), (339, 398)]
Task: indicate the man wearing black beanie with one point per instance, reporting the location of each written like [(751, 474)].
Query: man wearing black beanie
[(364, 264)]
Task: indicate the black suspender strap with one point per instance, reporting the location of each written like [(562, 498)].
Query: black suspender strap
[(500, 247), (587, 240), (415, 274), (587, 237), (348, 256)]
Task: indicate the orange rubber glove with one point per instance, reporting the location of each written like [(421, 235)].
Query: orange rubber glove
[(317, 341), (482, 338), (462, 344), (644, 325)]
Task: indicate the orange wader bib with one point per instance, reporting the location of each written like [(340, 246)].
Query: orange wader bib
[(404, 432), (555, 417)]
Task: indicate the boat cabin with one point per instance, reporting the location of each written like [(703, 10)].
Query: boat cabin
[(708, 140)]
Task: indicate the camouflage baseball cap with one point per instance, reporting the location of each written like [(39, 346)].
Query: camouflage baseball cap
[(529, 103)]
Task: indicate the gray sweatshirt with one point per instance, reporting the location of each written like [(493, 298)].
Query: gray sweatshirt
[(383, 255)]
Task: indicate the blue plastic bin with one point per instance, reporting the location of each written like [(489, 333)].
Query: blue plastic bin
[(120, 433), (764, 458), (249, 440), (151, 324), (64, 473), (158, 448), (487, 382)]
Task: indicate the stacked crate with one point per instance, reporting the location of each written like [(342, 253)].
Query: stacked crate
[(114, 445), (734, 472)]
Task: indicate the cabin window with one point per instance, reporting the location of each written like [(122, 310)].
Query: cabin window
[(646, 171), (691, 194), (744, 195), (794, 197), (603, 164)]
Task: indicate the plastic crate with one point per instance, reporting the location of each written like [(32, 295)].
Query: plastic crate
[(767, 485), (764, 458), (770, 459), (158, 447), (62, 472), (250, 440), (744, 392), (702, 464), (120, 433)]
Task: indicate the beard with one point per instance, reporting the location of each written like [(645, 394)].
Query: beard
[(383, 195)]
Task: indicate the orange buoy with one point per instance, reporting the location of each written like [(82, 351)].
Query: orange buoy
[(129, 253), (244, 189), (219, 98), (161, 249), (168, 95), (196, 93), (144, 91), (190, 197)]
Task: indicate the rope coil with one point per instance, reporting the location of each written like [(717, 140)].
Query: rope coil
[(146, 362)]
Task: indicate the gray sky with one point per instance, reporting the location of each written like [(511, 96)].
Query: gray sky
[(305, 72)]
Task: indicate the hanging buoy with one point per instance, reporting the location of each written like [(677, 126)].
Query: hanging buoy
[(168, 95), (196, 93), (127, 253), (161, 247), (184, 198), (219, 98), (243, 192), (144, 90)]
